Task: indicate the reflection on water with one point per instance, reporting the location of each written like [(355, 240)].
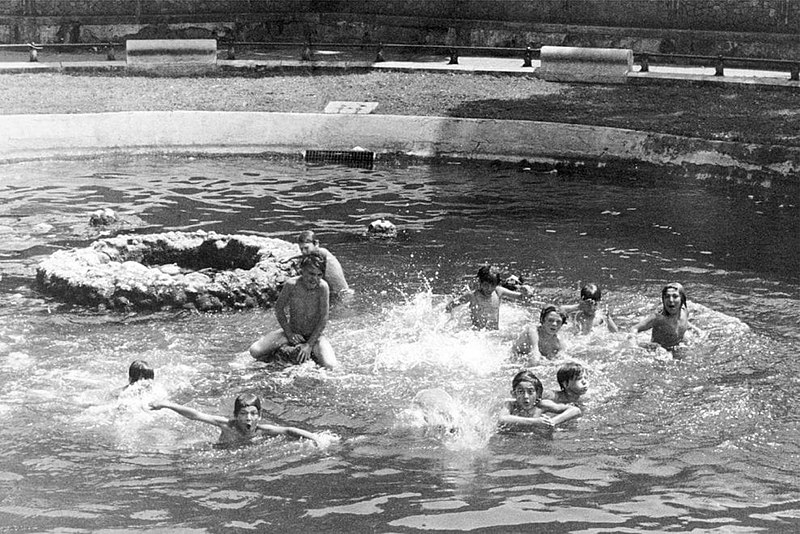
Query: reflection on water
[(705, 443)]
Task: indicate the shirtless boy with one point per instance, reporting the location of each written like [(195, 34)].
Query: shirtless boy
[(572, 383), (484, 302), (542, 339), (307, 298), (245, 424), (586, 312), (334, 274), (529, 409), (669, 325)]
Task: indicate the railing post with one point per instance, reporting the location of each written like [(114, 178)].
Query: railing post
[(34, 52), (453, 56), (528, 57), (719, 66), (379, 57), (111, 54), (231, 51), (644, 61), (308, 53), (794, 72)]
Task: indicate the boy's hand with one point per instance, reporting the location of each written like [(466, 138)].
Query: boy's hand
[(545, 421), (296, 339), (155, 405), (305, 353)]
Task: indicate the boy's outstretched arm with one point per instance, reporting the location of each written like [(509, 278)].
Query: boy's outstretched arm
[(612, 326), (644, 324), (190, 413), (289, 431)]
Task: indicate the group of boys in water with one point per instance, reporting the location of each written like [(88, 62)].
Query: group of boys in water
[(302, 310)]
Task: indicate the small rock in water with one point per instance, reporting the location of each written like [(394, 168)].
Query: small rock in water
[(382, 228)]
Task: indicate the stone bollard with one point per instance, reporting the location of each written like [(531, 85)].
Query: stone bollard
[(589, 65), (645, 63), (231, 52), (379, 57), (308, 53), (794, 72), (719, 66), (111, 54), (528, 57), (453, 56)]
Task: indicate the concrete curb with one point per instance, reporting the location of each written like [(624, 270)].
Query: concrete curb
[(27, 137)]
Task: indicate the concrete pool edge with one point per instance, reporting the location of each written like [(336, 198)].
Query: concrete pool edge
[(31, 137)]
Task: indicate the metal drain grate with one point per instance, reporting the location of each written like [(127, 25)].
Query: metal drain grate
[(351, 158)]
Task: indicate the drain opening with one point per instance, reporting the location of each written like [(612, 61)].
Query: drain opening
[(351, 158)]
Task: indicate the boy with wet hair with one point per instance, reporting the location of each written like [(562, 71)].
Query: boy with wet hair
[(245, 424), (571, 379), (529, 409), (587, 314), (140, 370), (307, 298), (484, 301), (334, 274), (671, 323)]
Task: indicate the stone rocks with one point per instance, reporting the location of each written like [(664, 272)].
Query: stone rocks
[(103, 217), (382, 228), (201, 270)]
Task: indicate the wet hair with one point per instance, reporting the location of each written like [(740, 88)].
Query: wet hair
[(489, 274), (527, 376), (245, 400), (307, 237), (313, 260), (591, 291), (681, 292), (140, 370), (549, 309), (569, 371)]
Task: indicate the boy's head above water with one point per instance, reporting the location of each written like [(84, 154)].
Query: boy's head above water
[(247, 411), (307, 242), (557, 316), (140, 370), (313, 261), (489, 274), (591, 292), (572, 378), (527, 388), (673, 297)]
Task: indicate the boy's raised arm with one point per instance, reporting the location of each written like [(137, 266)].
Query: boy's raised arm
[(458, 301), (190, 413)]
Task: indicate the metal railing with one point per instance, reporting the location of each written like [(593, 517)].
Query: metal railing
[(307, 52)]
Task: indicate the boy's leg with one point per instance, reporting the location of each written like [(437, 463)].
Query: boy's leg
[(263, 348), (323, 353)]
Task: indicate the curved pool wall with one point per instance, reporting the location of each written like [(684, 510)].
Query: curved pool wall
[(24, 137)]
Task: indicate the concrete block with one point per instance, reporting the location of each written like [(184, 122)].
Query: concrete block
[(171, 57), (587, 65)]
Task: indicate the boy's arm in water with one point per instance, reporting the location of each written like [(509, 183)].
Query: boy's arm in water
[(463, 299), (565, 411), (527, 342), (612, 326), (645, 324), (191, 413), (566, 309), (541, 421), (289, 431)]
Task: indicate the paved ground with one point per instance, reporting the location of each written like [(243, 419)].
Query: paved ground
[(17, 61)]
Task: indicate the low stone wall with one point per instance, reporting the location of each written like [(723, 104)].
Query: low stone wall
[(200, 270), (25, 137)]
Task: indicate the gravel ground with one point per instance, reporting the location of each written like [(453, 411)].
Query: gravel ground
[(742, 113)]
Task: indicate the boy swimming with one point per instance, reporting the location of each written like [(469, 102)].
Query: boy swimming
[(140, 370), (542, 339), (586, 312), (245, 424), (308, 299), (671, 323), (529, 409), (484, 301), (571, 379)]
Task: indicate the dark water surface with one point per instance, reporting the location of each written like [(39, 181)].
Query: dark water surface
[(707, 443)]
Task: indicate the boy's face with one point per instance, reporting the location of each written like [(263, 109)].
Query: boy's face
[(525, 394), (311, 276), (247, 419), (307, 248), (487, 288), (672, 301), (578, 385), (552, 322)]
